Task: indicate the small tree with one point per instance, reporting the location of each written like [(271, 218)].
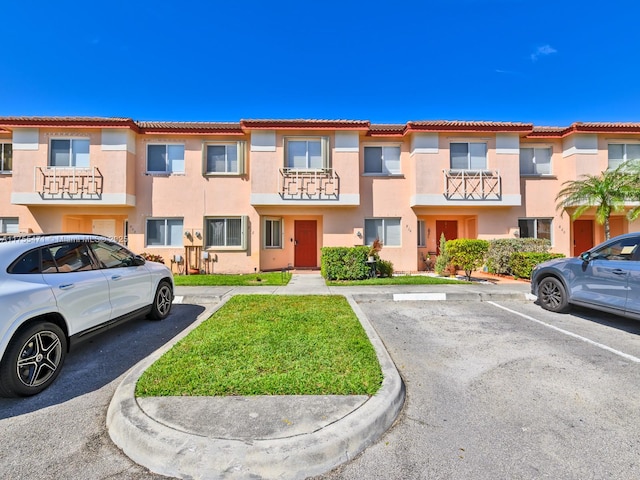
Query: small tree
[(467, 253), (442, 260)]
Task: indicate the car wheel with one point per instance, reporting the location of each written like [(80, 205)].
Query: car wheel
[(162, 301), (33, 360), (552, 295)]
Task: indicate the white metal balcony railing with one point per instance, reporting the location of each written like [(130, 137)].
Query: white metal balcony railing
[(309, 184), (472, 185), (68, 182)]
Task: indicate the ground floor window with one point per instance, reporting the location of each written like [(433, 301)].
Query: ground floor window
[(164, 232), (422, 233), (273, 233), (535, 228), (387, 230), (226, 232), (8, 225)]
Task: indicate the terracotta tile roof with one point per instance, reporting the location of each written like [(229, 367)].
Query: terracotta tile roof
[(468, 126), (386, 129), (305, 124), (230, 128), (95, 122), (547, 132), (605, 127)]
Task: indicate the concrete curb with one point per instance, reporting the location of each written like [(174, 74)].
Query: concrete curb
[(181, 454)]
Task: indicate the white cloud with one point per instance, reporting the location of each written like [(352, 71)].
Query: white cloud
[(542, 51)]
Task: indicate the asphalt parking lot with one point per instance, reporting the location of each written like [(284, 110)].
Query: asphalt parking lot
[(494, 391)]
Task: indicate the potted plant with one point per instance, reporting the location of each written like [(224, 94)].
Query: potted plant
[(375, 248)]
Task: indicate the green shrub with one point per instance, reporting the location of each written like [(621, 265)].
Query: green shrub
[(384, 268), (344, 263), (442, 260), (501, 249), (152, 257), (522, 263), (467, 253)]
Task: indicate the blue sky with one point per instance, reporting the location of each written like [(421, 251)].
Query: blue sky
[(546, 62)]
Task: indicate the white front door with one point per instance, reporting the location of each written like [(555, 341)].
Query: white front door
[(104, 227)]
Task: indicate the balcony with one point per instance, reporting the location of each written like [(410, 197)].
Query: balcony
[(473, 185), (71, 183), (297, 184)]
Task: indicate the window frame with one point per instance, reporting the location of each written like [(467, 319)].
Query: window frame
[(240, 158), (533, 162), (324, 153), (469, 157), (244, 222), (4, 222), (166, 231), (385, 171), (624, 144), (368, 240), (71, 152), (267, 241), (4, 146), (168, 162), (535, 227)]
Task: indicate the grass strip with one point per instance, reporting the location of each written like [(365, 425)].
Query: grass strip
[(397, 280), (252, 279), (270, 345)]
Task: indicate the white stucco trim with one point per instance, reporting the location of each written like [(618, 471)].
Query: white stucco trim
[(107, 199), (119, 139), (352, 199), (424, 143), (580, 144), (439, 200), (263, 141), (507, 144), (26, 138), (347, 142)]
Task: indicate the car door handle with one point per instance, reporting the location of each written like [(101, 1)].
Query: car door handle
[(116, 277), (66, 286), (619, 271)]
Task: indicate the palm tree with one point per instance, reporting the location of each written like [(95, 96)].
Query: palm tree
[(631, 181), (607, 193)]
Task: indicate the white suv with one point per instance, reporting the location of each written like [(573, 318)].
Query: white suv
[(58, 289)]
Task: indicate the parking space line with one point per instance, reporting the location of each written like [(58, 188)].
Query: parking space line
[(571, 334)]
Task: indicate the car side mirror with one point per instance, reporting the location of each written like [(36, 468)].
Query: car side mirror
[(585, 256), (138, 260)]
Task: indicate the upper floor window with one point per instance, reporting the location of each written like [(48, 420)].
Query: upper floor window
[(535, 228), (382, 160), (164, 232), (226, 232), (468, 156), (273, 233), (387, 230), (8, 225), (535, 161), (307, 153), (6, 157), (621, 152), (165, 158), (224, 158), (69, 153)]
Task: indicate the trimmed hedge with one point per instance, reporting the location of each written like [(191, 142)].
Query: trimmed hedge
[(384, 268), (522, 263), (345, 263), (501, 250)]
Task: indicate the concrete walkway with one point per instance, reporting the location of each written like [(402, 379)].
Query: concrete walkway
[(265, 437)]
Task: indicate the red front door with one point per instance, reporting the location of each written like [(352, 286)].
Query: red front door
[(582, 236), (449, 228), (305, 244)]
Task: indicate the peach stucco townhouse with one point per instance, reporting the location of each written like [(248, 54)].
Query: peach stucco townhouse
[(269, 194)]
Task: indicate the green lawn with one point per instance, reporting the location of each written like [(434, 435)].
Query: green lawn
[(268, 279), (270, 345)]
